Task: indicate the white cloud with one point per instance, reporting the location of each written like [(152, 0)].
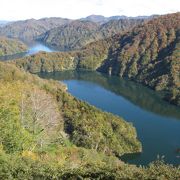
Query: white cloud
[(23, 9)]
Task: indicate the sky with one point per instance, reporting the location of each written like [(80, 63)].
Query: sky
[(74, 9)]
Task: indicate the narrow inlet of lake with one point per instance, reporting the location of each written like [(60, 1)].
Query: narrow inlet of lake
[(34, 47)]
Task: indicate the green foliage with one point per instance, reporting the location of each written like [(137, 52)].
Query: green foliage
[(148, 54), (76, 163), (110, 136), (11, 46), (87, 58), (53, 117), (71, 36), (13, 136), (48, 62), (133, 70), (45, 133), (41, 124)]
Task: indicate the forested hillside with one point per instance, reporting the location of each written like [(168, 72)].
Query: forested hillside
[(46, 133), (11, 46), (37, 102), (71, 36), (148, 54), (29, 29), (77, 34)]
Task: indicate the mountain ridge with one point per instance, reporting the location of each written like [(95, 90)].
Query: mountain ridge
[(148, 54), (29, 29), (77, 34), (46, 133)]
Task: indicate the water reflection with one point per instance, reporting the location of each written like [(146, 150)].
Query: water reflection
[(157, 122), (12, 57), (136, 93)]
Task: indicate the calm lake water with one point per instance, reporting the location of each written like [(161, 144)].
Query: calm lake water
[(34, 47), (157, 122)]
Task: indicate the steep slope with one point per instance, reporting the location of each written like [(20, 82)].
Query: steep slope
[(50, 116), (77, 34), (71, 36), (90, 57), (148, 54), (30, 29), (42, 125), (147, 99), (11, 46), (118, 26)]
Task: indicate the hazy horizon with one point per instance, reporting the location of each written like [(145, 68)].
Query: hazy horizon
[(75, 9), (73, 19), (5, 20)]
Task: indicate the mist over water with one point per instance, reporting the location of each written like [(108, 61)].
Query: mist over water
[(34, 47)]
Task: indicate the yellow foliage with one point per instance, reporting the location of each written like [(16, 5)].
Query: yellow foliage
[(29, 154)]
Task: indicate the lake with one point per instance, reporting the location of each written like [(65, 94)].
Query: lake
[(34, 47), (157, 122)]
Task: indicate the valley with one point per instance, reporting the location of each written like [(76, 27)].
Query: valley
[(95, 97)]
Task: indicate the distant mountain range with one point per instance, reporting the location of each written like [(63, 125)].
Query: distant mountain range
[(30, 29), (46, 133), (78, 33), (102, 19)]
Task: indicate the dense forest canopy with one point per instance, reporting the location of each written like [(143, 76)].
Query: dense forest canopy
[(29, 29), (77, 34), (149, 54), (46, 133), (11, 46)]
